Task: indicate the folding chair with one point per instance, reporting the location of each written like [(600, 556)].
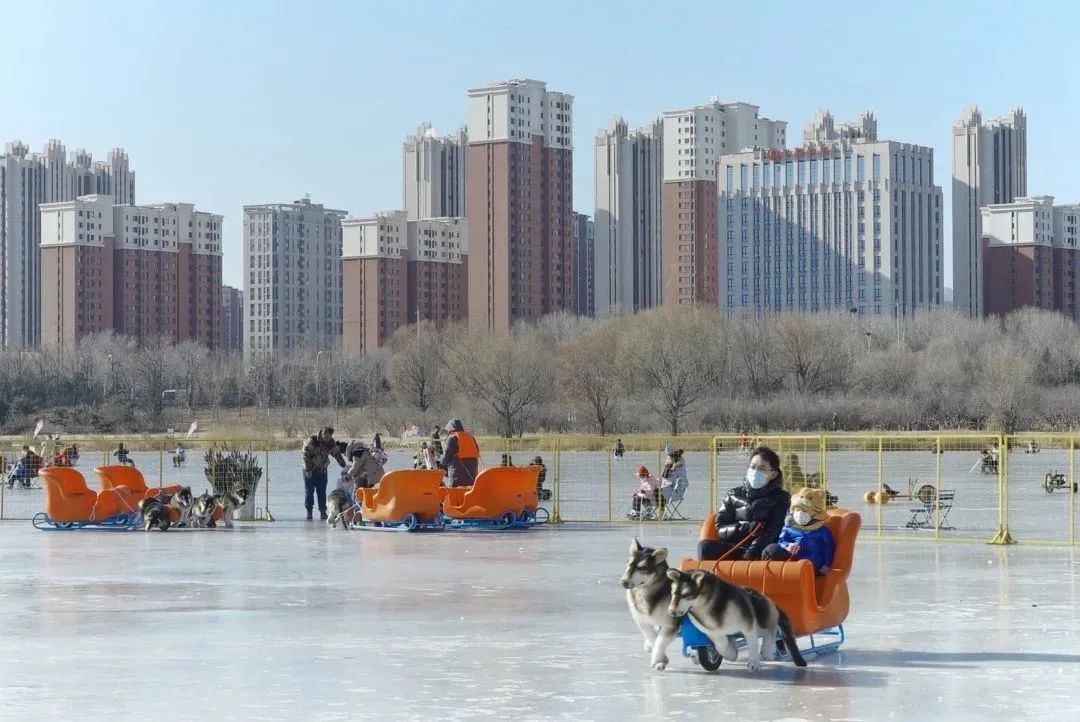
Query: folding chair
[(670, 499), (933, 510)]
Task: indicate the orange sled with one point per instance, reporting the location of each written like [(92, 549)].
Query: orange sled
[(407, 500), (816, 605), (501, 496), (123, 476), (71, 504)]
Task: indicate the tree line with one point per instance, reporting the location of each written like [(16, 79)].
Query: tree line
[(668, 369)]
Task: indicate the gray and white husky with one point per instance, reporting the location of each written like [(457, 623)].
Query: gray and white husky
[(154, 514), (648, 594), (202, 512), (337, 503), (182, 502), (721, 609), (229, 503)]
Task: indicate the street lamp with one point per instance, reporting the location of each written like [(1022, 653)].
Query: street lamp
[(108, 377), (868, 342)]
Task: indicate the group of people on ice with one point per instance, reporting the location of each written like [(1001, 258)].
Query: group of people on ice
[(363, 464)]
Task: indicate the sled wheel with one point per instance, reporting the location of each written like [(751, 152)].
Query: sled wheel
[(410, 522), (1048, 484), (527, 517), (709, 658), (926, 494), (1074, 487), (63, 524), (507, 519)]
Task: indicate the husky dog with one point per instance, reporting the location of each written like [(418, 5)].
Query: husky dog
[(202, 512), (648, 594), (229, 503), (182, 502), (721, 609), (337, 503), (154, 514)]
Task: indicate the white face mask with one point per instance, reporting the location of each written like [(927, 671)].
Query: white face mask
[(802, 518), (756, 478)]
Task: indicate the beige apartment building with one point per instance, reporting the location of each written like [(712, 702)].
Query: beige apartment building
[(141, 271)]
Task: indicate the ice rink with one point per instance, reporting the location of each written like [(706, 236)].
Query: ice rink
[(295, 621)]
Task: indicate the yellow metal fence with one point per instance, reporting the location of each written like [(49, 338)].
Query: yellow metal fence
[(944, 487)]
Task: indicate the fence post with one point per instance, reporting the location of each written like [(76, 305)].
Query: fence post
[(880, 482), (823, 466), (1072, 490), (1003, 536), (161, 464), (267, 516), (557, 487), (610, 488), (712, 476)]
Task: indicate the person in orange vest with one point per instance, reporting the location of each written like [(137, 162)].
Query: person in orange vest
[(461, 455)]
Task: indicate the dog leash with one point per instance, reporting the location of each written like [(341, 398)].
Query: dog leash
[(754, 530)]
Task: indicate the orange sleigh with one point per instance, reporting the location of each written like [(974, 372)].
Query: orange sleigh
[(407, 499), (501, 496), (124, 476), (71, 504), (816, 605)]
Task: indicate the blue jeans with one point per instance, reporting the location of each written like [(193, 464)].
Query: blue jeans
[(315, 483)]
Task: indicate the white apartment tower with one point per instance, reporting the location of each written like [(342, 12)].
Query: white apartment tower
[(434, 173), (989, 167), (694, 140), (845, 224), (28, 180), (292, 277), (626, 246)]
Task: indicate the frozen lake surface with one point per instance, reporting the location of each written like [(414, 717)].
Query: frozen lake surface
[(295, 621)]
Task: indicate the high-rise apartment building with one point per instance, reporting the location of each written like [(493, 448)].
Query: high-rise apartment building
[(824, 128), (27, 180), (626, 261), (399, 271), (434, 173), (694, 140), (1031, 256), (584, 250), (519, 203), (232, 319), (292, 277), (831, 226), (142, 271), (989, 168)]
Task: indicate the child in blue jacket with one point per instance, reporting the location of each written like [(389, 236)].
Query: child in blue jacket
[(805, 535)]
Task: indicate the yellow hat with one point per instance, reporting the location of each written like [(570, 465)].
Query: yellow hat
[(813, 502)]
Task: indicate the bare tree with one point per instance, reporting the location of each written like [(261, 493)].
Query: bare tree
[(506, 375), (673, 358), (811, 351), (589, 374), (753, 357), (1006, 387), (415, 371)]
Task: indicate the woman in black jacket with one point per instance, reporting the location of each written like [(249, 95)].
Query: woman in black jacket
[(760, 500)]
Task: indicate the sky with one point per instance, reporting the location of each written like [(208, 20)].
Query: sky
[(230, 103)]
